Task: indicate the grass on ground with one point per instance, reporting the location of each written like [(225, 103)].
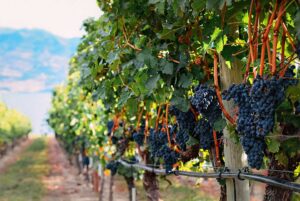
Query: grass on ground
[(23, 179), (176, 191)]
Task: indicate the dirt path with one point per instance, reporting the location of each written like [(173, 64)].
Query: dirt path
[(63, 183), (13, 155)]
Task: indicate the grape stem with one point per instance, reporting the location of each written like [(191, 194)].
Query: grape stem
[(194, 112), (283, 39), (269, 53), (217, 89), (264, 40), (247, 68), (275, 38), (157, 118), (288, 35), (139, 119), (250, 33), (167, 128), (217, 147), (256, 27)]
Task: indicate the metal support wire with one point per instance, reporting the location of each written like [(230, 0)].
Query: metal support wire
[(225, 175)]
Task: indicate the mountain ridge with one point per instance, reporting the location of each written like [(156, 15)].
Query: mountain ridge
[(33, 60)]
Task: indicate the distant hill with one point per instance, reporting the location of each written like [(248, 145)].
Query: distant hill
[(33, 60)]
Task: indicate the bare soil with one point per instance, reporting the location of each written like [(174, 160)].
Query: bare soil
[(63, 182)]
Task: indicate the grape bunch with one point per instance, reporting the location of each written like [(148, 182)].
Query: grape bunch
[(254, 148), (182, 136), (185, 120), (204, 133), (113, 167), (138, 137), (156, 140), (169, 156), (206, 102), (288, 79), (110, 125), (256, 116), (159, 149)]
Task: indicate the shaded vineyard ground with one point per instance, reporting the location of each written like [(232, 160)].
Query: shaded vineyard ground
[(38, 169)]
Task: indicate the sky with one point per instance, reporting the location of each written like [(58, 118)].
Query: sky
[(63, 18), (33, 105)]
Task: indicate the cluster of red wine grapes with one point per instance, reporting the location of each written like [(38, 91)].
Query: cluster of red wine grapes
[(113, 167), (206, 102), (156, 140), (256, 117), (185, 120), (139, 136), (203, 132), (159, 149), (110, 125), (182, 136), (169, 156)]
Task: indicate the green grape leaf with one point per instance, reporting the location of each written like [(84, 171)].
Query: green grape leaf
[(192, 141), (273, 145), (219, 125), (152, 83), (282, 158), (185, 80), (168, 68)]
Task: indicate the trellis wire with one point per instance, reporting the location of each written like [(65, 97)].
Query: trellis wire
[(225, 175)]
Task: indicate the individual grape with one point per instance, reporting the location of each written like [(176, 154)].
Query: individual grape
[(206, 102)]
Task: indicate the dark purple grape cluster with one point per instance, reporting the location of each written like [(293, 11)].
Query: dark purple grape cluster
[(206, 102), (159, 149), (169, 156), (156, 140), (289, 79), (182, 136), (114, 139), (110, 125), (185, 120), (113, 167), (204, 133), (138, 137), (257, 105), (254, 149)]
